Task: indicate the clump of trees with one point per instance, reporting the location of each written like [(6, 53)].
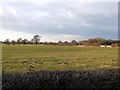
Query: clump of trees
[(34, 40), (96, 42), (99, 41)]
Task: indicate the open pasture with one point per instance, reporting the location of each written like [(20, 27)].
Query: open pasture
[(25, 58)]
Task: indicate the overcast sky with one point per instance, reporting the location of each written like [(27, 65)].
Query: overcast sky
[(59, 20)]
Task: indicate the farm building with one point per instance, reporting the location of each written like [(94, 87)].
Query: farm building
[(102, 46), (105, 45)]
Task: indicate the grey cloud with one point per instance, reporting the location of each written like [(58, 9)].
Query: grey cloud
[(88, 19)]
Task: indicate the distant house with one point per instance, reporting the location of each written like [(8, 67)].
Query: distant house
[(102, 45), (105, 46)]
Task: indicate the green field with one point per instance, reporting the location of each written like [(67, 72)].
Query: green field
[(24, 58)]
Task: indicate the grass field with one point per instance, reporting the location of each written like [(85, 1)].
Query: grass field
[(59, 67), (24, 58)]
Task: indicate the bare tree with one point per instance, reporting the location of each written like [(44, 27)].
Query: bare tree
[(31, 41), (36, 39), (7, 41), (19, 41), (25, 41), (74, 42), (13, 42)]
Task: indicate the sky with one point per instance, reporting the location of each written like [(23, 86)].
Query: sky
[(56, 20)]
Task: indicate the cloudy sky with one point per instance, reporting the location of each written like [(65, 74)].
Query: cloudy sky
[(59, 20)]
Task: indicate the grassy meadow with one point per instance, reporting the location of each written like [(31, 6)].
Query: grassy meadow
[(25, 58)]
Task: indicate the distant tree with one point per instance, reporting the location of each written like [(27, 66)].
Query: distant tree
[(59, 41), (99, 41), (93, 42), (80, 43), (108, 42), (19, 41), (31, 41), (36, 39), (13, 42), (25, 41), (7, 41), (74, 42), (65, 42), (115, 41)]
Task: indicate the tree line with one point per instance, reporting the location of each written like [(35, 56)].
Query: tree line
[(89, 42), (34, 40)]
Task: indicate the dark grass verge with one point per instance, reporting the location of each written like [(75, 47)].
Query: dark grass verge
[(59, 80)]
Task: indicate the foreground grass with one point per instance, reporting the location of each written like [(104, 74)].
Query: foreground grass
[(24, 58)]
